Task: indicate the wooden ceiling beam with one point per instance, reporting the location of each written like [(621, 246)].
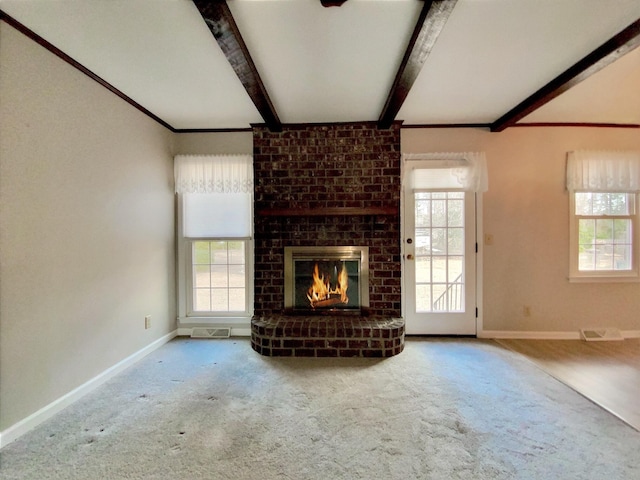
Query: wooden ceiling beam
[(219, 19), (332, 3), (433, 17), (604, 55)]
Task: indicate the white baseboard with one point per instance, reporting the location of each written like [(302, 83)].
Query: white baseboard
[(525, 335), (23, 426), (522, 335)]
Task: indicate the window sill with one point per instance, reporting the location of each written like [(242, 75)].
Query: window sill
[(215, 320), (633, 278)]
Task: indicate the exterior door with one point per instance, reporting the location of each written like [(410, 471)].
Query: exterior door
[(440, 262)]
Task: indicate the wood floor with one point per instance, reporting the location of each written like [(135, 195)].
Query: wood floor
[(608, 373)]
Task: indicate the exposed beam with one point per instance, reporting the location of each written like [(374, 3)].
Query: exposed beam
[(219, 19), (433, 16), (330, 3), (578, 124), (605, 54), (446, 125)]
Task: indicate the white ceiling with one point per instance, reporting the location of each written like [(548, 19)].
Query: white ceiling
[(338, 64)]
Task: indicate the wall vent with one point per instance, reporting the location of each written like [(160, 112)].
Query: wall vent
[(600, 334), (210, 333)]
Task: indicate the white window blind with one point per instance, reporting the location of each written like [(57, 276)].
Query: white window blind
[(219, 215), (216, 195), (466, 171)]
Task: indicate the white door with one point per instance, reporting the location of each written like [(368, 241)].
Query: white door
[(440, 262)]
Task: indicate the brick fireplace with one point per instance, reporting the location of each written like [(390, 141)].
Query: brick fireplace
[(333, 185)]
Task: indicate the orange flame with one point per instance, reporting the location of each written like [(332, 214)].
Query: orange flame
[(321, 294), (343, 284)]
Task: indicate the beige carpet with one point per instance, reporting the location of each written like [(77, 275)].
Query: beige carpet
[(608, 373), (215, 409)]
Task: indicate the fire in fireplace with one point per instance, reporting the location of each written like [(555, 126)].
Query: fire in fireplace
[(321, 279)]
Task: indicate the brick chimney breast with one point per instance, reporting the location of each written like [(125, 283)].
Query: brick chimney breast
[(327, 185)]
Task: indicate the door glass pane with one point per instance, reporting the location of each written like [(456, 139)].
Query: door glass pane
[(439, 213), (455, 213), (423, 210), (456, 241), (439, 251), (439, 297), (456, 265), (439, 269), (423, 269), (423, 241), (438, 241)]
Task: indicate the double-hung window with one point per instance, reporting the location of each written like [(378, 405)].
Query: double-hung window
[(215, 198), (604, 191)]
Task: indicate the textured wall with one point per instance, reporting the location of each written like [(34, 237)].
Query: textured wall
[(526, 210), (314, 167), (86, 244)]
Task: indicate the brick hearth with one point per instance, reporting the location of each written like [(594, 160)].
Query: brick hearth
[(327, 185), (327, 336)]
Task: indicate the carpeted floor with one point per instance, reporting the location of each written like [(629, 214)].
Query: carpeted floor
[(215, 409)]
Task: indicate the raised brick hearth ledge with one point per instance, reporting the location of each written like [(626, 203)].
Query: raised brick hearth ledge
[(327, 336)]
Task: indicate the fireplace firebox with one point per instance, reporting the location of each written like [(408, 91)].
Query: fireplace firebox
[(321, 280)]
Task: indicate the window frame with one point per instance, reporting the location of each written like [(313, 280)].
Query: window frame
[(576, 275), (186, 314), (189, 241)]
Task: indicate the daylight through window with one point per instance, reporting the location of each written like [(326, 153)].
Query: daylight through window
[(605, 230), (603, 189)]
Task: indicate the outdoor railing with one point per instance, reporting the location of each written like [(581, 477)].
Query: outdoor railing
[(451, 298)]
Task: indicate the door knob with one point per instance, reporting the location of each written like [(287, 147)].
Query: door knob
[(409, 257)]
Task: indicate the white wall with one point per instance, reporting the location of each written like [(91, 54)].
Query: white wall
[(209, 143), (87, 229), (527, 211), (213, 143)]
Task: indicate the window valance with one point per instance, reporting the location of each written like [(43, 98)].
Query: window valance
[(603, 171), (447, 171), (213, 173)]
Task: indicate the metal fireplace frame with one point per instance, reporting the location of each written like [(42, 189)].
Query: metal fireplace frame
[(325, 253)]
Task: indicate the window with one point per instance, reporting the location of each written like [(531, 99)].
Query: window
[(218, 276), (604, 229), (604, 210), (215, 235)]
